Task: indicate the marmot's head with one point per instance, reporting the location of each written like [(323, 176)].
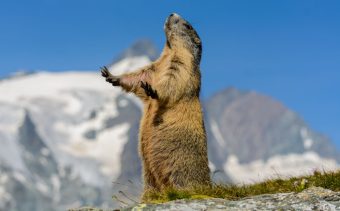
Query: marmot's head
[(180, 34)]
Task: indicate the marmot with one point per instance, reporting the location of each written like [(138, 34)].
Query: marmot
[(172, 145)]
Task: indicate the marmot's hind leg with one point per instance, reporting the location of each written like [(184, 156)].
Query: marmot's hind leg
[(149, 182)]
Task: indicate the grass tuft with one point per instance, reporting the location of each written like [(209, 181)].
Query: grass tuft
[(328, 180)]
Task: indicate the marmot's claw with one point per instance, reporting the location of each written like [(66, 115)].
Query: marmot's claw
[(109, 77), (148, 90), (105, 72), (143, 85)]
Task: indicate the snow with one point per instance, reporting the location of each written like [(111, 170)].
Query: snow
[(217, 133), (307, 141), (55, 182), (73, 105), (2, 192), (3, 178), (20, 177), (43, 161), (129, 64), (4, 196), (277, 166), (43, 188), (212, 167), (76, 131), (9, 151), (123, 103), (11, 117), (50, 85), (45, 152), (106, 150), (57, 85), (303, 132)]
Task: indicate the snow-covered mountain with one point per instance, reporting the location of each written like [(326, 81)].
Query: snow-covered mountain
[(253, 137), (69, 138)]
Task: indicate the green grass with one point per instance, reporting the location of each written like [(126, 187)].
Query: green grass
[(328, 180)]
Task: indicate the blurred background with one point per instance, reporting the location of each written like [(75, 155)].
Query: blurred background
[(270, 71)]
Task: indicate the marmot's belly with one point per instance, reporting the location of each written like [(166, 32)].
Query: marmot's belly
[(172, 125), (177, 157)]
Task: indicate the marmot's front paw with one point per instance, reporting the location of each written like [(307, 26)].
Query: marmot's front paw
[(148, 90), (114, 80)]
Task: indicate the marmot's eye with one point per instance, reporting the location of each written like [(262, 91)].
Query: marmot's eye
[(187, 26)]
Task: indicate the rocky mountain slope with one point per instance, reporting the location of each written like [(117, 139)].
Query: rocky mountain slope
[(309, 199), (69, 139), (248, 131)]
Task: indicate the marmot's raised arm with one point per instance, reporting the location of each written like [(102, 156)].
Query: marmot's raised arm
[(137, 82)]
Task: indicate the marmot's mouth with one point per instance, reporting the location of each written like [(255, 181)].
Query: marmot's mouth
[(167, 26), (172, 19)]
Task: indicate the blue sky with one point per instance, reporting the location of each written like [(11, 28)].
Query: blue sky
[(289, 50)]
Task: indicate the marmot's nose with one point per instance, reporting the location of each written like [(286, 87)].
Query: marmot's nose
[(174, 14)]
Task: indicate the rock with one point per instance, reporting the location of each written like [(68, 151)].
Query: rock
[(314, 198)]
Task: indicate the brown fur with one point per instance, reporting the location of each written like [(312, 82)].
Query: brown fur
[(173, 144)]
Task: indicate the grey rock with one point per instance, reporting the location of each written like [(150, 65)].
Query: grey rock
[(314, 198), (91, 134)]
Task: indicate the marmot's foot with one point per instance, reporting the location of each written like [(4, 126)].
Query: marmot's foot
[(109, 77), (148, 90)]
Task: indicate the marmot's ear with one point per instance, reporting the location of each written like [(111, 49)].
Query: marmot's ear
[(197, 40)]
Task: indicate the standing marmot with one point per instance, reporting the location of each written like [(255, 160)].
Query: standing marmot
[(173, 144)]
